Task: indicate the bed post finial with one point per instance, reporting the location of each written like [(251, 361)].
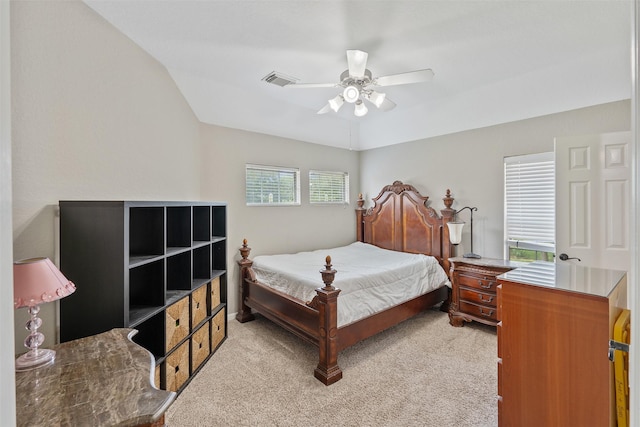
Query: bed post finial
[(328, 274), (448, 200), (244, 250)]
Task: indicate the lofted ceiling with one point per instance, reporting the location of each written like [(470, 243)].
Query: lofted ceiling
[(494, 61)]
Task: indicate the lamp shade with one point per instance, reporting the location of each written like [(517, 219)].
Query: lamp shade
[(455, 231), (360, 109), (377, 98), (38, 280), (336, 103)]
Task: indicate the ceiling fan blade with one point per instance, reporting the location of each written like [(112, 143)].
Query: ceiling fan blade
[(312, 85), (357, 61), (418, 76), (324, 109), (387, 105)]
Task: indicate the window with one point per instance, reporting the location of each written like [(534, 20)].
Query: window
[(530, 207), (328, 187), (272, 186)]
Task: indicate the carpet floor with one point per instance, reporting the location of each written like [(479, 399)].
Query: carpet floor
[(422, 372)]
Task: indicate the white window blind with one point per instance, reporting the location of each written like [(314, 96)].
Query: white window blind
[(272, 185), (328, 187), (530, 201)]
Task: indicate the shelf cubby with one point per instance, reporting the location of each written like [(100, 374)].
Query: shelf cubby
[(201, 224), (201, 265), (151, 334), (146, 232), (179, 271), (219, 255), (218, 221), (178, 226), (146, 290)]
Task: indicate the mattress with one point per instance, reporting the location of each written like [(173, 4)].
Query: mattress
[(370, 279)]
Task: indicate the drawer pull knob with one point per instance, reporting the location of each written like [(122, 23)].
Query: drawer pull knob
[(482, 284), (489, 299), (488, 314)]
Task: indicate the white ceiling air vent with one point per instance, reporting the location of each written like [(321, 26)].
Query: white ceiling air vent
[(279, 79)]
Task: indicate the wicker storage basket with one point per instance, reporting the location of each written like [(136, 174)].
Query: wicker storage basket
[(177, 323), (218, 328), (177, 367), (215, 293), (199, 346), (198, 305)]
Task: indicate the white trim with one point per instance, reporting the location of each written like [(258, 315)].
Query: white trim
[(634, 271), (7, 331)]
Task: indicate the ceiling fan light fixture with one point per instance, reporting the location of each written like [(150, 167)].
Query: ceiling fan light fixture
[(360, 109), (336, 103), (377, 98), (351, 93)]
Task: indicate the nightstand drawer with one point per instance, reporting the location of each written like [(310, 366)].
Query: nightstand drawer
[(479, 310), (483, 282), (483, 298)]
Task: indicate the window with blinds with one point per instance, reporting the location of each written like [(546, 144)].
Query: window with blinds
[(530, 206), (328, 187), (272, 186)]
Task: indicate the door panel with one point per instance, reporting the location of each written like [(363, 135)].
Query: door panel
[(593, 187)]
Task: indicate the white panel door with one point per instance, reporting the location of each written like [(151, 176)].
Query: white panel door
[(593, 190)]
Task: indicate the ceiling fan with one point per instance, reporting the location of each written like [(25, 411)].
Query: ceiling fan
[(359, 85)]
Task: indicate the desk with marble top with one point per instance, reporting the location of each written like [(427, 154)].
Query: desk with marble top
[(101, 380)]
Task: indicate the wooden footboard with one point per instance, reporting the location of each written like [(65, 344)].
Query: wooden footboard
[(315, 321)]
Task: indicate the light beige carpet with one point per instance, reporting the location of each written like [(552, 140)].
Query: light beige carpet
[(422, 372)]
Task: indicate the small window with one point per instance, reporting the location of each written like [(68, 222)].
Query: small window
[(328, 187), (272, 186), (530, 207)]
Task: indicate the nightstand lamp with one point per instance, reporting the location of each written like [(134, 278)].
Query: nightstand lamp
[(35, 281), (455, 231)]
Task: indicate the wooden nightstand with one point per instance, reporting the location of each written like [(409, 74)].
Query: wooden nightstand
[(473, 289)]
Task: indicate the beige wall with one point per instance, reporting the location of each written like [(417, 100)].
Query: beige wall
[(471, 165), (274, 229), (94, 117)]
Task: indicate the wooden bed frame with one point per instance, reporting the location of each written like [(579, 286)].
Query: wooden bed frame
[(399, 220)]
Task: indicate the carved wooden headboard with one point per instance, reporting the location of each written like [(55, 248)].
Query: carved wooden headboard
[(400, 220)]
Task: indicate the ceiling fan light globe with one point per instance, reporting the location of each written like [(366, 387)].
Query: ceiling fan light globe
[(351, 94), (336, 103), (360, 109), (377, 98)]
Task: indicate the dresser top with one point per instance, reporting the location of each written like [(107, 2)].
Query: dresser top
[(487, 262), (566, 276), (103, 379)]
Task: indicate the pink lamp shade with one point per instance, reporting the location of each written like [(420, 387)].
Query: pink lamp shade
[(38, 280)]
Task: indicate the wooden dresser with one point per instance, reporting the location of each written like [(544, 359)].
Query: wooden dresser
[(473, 289), (553, 339)]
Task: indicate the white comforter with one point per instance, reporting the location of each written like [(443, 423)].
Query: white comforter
[(371, 279)]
